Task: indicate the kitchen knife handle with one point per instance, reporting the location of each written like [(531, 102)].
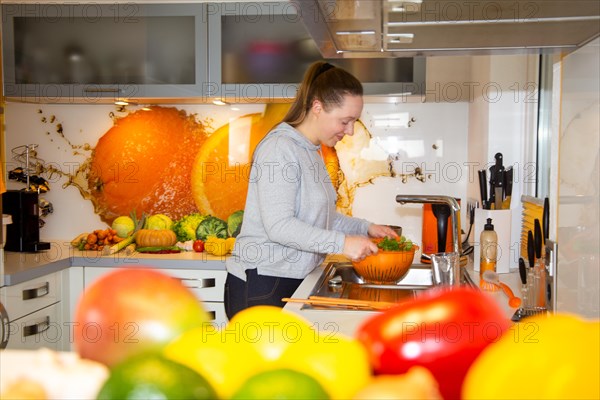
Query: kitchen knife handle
[(508, 181), (530, 249), (483, 188), (537, 238), (522, 271), (546, 219)]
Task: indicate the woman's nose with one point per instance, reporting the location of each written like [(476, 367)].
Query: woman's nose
[(349, 130)]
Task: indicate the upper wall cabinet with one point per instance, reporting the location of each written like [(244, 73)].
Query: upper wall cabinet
[(261, 50), (57, 52)]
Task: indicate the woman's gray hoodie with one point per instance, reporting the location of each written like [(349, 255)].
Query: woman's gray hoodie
[(290, 219)]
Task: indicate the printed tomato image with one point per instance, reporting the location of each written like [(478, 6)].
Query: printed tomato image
[(441, 330), (131, 311)]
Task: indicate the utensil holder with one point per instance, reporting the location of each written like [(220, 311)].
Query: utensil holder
[(501, 219)]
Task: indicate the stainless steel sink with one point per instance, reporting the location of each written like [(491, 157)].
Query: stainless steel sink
[(339, 280)]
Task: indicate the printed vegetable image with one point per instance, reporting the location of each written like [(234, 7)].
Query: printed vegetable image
[(123, 225), (151, 238), (211, 226), (441, 330), (185, 228), (234, 223), (158, 221), (198, 246)]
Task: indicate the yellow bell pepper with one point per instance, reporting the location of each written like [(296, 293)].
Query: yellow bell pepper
[(215, 246), (555, 357)]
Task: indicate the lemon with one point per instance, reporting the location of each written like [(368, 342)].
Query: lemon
[(152, 376), (270, 330), (281, 384), (223, 359), (339, 363)]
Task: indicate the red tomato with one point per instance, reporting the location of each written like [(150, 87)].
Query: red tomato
[(198, 246), (133, 310), (442, 330)]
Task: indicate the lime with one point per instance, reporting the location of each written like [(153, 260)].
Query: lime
[(281, 384), (152, 376)]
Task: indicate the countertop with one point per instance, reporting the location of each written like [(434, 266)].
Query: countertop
[(21, 267)]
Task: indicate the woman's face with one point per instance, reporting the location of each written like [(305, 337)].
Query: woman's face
[(339, 121)]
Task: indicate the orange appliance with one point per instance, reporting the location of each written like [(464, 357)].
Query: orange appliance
[(434, 223)]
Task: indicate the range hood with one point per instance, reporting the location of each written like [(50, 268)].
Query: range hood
[(399, 28)]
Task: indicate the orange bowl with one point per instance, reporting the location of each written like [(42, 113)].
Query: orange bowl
[(385, 267)]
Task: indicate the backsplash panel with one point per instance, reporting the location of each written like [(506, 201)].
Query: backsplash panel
[(416, 148)]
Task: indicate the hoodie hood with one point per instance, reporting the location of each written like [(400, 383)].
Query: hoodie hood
[(286, 130)]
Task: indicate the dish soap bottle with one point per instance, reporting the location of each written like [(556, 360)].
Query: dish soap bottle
[(488, 245)]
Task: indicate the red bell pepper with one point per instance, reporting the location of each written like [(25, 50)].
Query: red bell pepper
[(442, 330)]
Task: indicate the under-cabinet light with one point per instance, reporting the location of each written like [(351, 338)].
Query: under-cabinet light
[(219, 102), (121, 103)]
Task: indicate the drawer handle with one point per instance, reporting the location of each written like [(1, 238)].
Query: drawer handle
[(199, 283), (4, 328), (34, 293), (212, 315), (40, 327), (101, 90)]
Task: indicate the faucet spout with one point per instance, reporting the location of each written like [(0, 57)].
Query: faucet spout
[(437, 199)]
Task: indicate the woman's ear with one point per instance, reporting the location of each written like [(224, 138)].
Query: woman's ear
[(317, 106)]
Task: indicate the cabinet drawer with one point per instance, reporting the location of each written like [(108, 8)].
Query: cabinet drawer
[(207, 285), (39, 329), (27, 297), (217, 314)]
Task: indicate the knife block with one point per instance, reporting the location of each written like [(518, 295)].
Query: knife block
[(501, 219)]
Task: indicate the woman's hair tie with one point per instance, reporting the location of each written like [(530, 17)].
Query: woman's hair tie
[(323, 68)]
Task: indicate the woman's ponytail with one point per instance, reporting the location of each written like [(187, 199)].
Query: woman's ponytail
[(326, 83)]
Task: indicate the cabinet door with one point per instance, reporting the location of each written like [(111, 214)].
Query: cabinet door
[(260, 50), (91, 51), (42, 328), (256, 51)]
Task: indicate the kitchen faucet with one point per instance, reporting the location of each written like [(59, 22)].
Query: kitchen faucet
[(435, 199)]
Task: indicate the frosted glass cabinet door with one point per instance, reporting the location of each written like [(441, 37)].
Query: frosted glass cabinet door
[(261, 50), (104, 50)]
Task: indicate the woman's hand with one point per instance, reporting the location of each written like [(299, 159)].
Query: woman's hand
[(358, 247), (379, 231)]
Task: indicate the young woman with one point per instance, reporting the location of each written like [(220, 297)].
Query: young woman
[(290, 218)]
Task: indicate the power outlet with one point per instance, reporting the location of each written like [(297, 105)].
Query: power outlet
[(551, 262)]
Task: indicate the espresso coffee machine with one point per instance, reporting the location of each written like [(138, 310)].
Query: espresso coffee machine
[(24, 233)]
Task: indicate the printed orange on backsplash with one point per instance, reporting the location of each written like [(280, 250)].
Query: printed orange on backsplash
[(164, 161), (144, 163), (222, 168)]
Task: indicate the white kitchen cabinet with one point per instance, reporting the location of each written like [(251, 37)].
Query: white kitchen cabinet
[(34, 315), (207, 286), (63, 52)]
